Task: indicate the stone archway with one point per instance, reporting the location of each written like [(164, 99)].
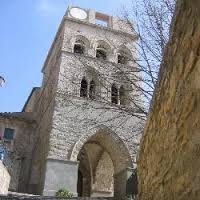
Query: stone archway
[(104, 160), (97, 171)]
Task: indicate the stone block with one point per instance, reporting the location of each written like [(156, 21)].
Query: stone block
[(60, 174)]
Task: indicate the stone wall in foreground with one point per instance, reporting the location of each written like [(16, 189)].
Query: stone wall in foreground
[(169, 164), (4, 179)]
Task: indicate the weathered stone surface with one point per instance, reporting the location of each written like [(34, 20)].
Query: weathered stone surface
[(59, 174), (169, 164), (4, 179)]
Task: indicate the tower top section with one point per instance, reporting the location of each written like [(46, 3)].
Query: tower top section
[(92, 17)]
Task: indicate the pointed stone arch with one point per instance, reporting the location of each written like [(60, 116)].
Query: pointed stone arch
[(96, 130), (116, 149)]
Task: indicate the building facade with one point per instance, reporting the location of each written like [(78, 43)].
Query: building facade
[(76, 131)]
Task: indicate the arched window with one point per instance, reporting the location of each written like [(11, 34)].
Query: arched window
[(79, 47), (124, 55), (102, 50), (114, 94), (101, 53), (122, 96), (84, 86), (92, 90)]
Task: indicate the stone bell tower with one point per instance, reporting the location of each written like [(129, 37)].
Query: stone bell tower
[(87, 141)]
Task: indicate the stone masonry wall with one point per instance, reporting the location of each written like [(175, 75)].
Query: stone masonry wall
[(103, 180), (4, 179), (105, 73), (169, 164), (95, 34), (44, 109), (74, 67), (19, 150), (63, 117), (73, 116)]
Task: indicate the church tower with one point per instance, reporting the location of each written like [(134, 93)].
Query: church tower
[(86, 137)]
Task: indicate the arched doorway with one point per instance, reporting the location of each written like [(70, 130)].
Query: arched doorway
[(103, 162)]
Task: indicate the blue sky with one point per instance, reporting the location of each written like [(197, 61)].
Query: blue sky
[(27, 31)]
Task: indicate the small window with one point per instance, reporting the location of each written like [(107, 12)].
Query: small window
[(114, 94), (8, 134), (92, 90), (122, 59), (84, 86), (101, 54)]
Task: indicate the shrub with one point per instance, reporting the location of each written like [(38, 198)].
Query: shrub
[(63, 192)]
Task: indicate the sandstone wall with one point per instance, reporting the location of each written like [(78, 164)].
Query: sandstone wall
[(169, 164)]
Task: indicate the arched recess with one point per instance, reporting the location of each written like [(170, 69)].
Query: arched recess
[(94, 82), (104, 149), (124, 55), (103, 50), (80, 44)]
